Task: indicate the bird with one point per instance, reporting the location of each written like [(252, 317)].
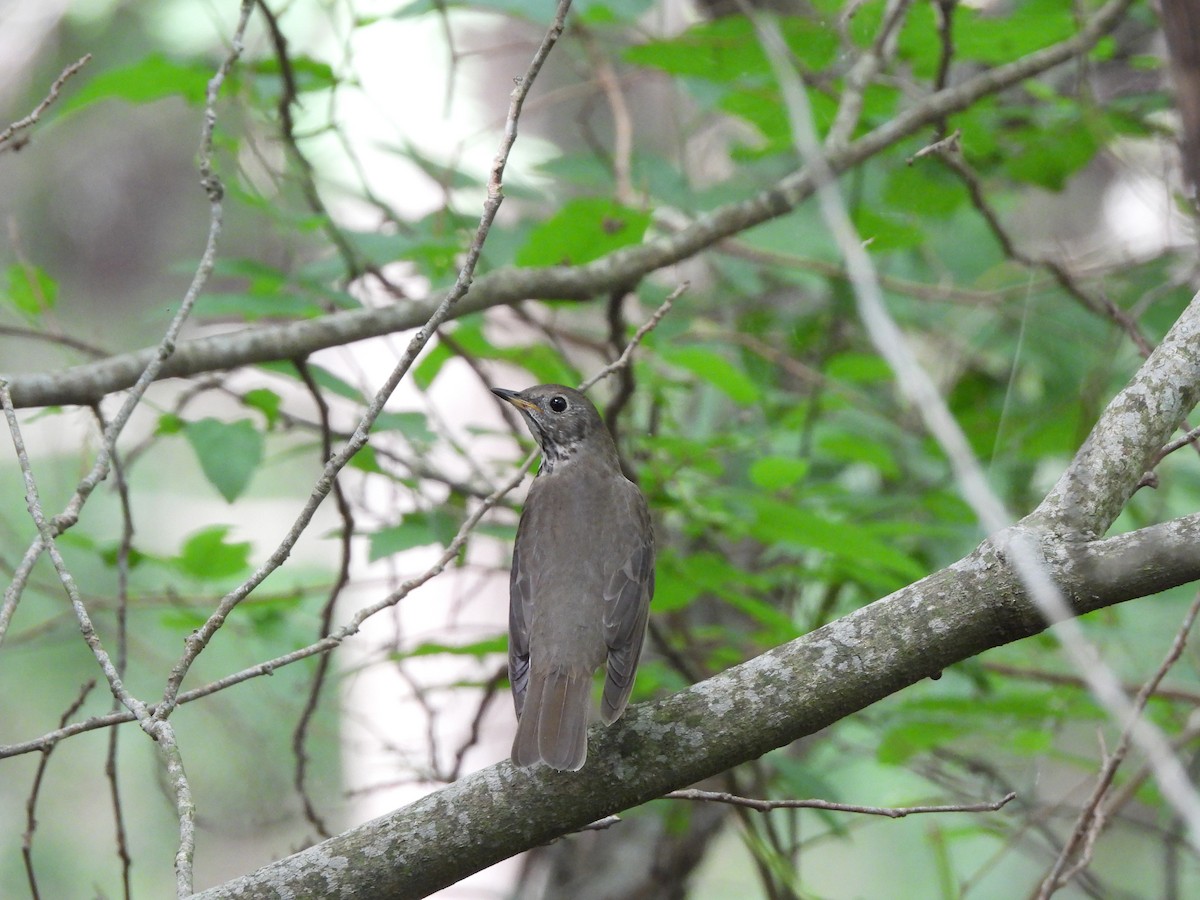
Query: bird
[(581, 583)]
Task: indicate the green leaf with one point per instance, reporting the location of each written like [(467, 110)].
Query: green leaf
[(251, 307), (229, 453), (416, 529), (149, 79), (999, 38), (779, 522), (860, 368), (919, 43), (544, 362), (779, 626), (432, 243), (850, 447), (478, 649), (611, 12), (727, 50), (430, 364), (928, 190), (581, 231), (365, 460), (265, 401), (905, 741), (438, 171), (772, 473), (1029, 741), (324, 379), (208, 556), (110, 554), (413, 425), (539, 11), (716, 370), (1047, 157), (182, 619), (887, 230), (308, 74), (169, 423), (271, 292), (29, 290), (760, 107)]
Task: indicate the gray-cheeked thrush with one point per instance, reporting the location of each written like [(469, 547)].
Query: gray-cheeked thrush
[(582, 579)]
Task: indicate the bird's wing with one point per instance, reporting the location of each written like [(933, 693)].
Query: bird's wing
[(520, 611), (626, 610)]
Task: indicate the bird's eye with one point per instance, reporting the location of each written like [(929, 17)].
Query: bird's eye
[(558, 404)]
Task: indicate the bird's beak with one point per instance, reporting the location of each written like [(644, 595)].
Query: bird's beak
[(516, 399)]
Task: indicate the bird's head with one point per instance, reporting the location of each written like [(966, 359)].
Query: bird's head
[(563, 421)]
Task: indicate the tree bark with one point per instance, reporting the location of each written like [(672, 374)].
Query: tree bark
[(803, 686)]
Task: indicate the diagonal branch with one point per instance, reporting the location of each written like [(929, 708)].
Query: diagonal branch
[(9, 133), (791, 691), (199, 639), (86, 384)]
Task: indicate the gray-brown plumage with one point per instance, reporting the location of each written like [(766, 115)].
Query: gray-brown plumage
[(582, 579)]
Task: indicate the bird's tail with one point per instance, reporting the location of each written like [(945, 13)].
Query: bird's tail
[(554, 720)]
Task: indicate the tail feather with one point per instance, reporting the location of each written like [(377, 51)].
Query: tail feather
[(553, 724)]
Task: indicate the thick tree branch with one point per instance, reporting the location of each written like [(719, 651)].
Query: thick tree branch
[(86, 384), (1128, 439), (791, 691)]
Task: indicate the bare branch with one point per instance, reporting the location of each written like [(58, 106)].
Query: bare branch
[(1177, 695), (35, 790), (336, 637), (790, 691), (198, 640), (152, 365), (1077, 850), (32, 119), (626, 355), (296, 340), (891, 812), (918, 387), (346, 514)]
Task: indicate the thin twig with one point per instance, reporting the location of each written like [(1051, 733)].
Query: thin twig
[(951, 143), (891, 812), (638, 336), (300, 733), (161, 732), (863, 72), (124, 549), (336, 637), (55, 89), (1077, 849), (626, 384), (1179, 695), (33, 504), (945, 26), (308, 183), (198, 640), (62, 340), (601, 824), (1180, 442), (622, 152), (1100, 305), (166, 347), (918, 387), (490, 691), (294, 340), (31, 802)]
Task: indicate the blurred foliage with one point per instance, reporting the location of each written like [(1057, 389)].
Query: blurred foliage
[(789, 482)]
